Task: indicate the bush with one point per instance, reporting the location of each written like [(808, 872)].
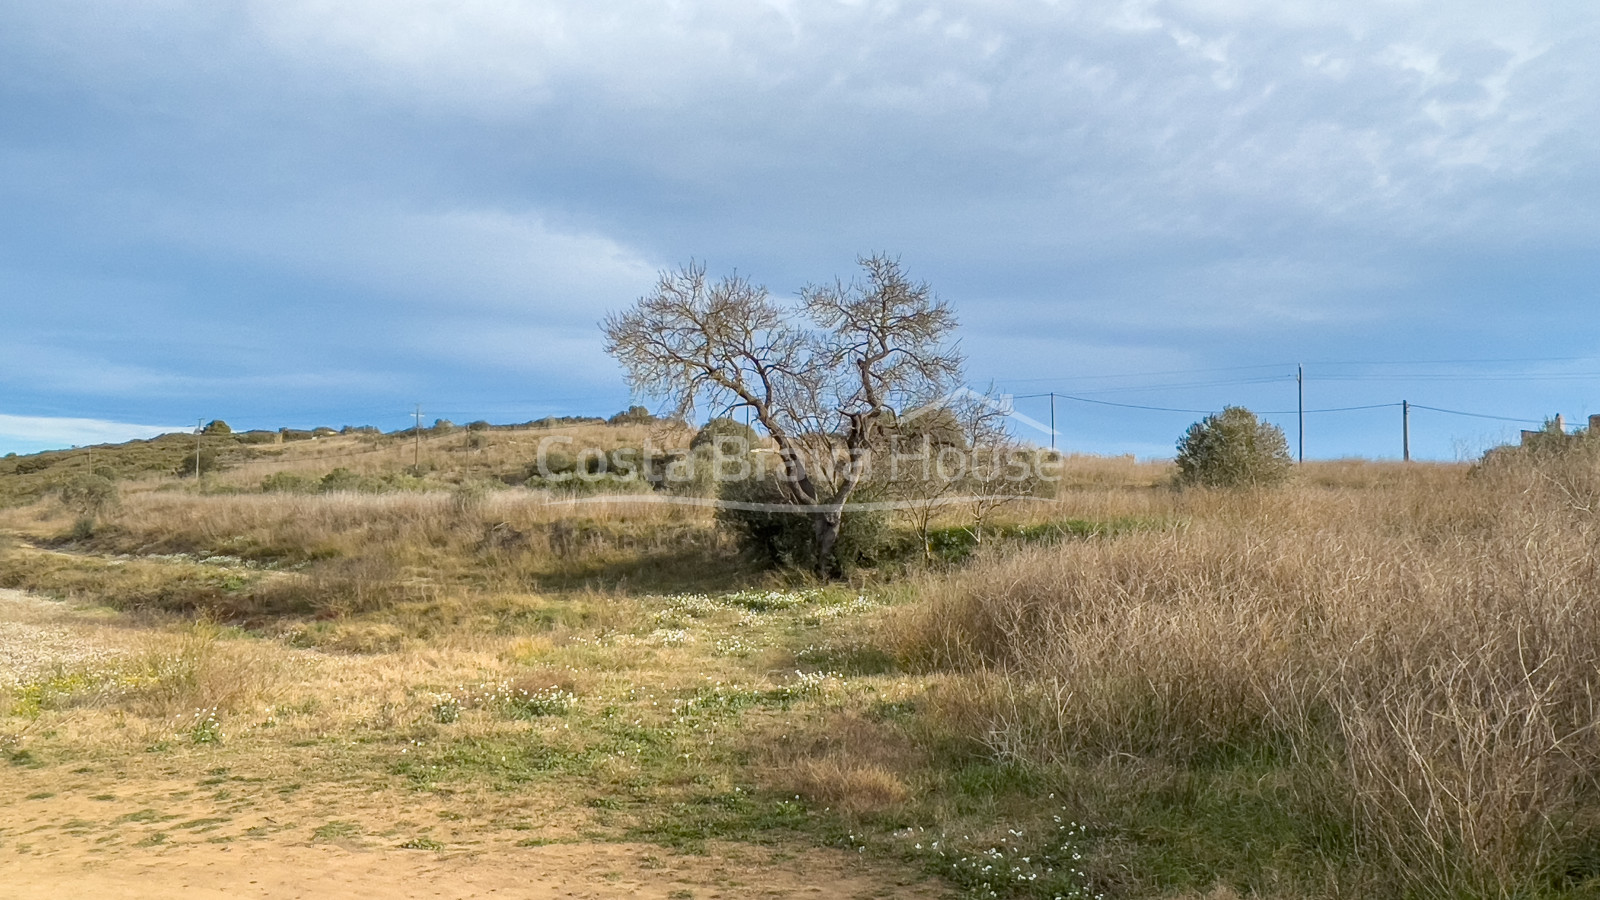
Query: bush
[(633, 415), (723, 428), (288, 483), (90, 496), (28, 465), (1233, 449), (564, 421), (216, 426), (340, 479), (786, 537), (556, 463), (207, 462)]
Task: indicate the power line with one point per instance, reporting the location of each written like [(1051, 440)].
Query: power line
[(1149, 374), (1265, 412), (1465, 376), (1457, 412), (1453, 362), (1330, 409)]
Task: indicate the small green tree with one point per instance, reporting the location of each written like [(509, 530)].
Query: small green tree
[(90, 497), (1233, 449)]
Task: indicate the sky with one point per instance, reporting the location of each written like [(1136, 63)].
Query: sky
[(308, 212)]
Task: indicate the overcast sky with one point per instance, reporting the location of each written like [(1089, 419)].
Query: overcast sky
[(309, 212)]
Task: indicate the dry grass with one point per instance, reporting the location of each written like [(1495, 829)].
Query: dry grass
[(1401, 661), (1425, 643), (192, 670), (848, 763)]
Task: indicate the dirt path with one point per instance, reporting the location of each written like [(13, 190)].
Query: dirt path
[(184, 824), (336, 873), (63, 834)]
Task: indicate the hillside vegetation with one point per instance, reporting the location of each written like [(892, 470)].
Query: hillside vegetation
[(1377, 680)]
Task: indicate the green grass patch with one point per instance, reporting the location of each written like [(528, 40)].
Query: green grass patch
[(336, 830)]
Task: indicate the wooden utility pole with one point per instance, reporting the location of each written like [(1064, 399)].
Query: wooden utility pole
[(1405, 429), (1300, 382), (416, 445), (199, 429)]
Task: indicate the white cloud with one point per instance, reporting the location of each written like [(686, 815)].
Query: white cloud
[(32, 433), (429, 186), (1409, 105), (456, 259)]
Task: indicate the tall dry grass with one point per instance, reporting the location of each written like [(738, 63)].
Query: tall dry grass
[(459, 454), (417, 525), (341, 554), (1428, 652)]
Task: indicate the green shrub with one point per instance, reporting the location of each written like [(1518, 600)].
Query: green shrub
[(216, 426), (724, 428), (556, 463), (207, 462), (633, 415), (288, 483), (1233, 449), (27, 465), (787, 537), (340, 479), (90, 497), (469, 496)]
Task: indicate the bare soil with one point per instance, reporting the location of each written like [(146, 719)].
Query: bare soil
[(130, 827)]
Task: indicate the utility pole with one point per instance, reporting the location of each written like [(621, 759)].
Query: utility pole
[(416, 445), (1052, 420), (1300, 382), (1405, 429), (199, 429)]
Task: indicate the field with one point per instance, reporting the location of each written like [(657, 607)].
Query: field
[(1380, 680)]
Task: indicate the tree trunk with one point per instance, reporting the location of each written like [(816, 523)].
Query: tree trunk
[(826, 529)]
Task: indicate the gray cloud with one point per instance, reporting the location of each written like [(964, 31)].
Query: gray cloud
[(416, 196)]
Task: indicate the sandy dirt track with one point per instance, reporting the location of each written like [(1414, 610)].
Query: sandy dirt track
[(557, 871), (141, 827)]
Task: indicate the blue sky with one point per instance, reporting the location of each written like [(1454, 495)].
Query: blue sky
[(301, 212)]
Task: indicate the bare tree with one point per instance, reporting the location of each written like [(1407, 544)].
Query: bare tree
[(1003, 472), (819, 374), (935, 452)]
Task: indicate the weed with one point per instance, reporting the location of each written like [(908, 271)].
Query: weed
[(336, 830), (202, 727)]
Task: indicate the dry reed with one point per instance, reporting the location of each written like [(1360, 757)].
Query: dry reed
[(1434, 645)]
